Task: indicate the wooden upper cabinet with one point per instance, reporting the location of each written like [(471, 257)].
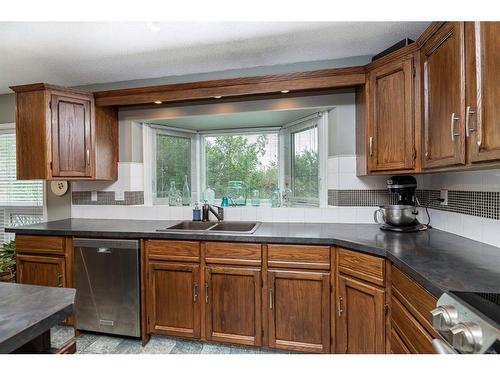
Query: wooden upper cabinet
[(360, 327), (391, 132), (483, 78), (71, 136), (233, 305), (443, 61), (299, 310), (387, 115), (62, 135)]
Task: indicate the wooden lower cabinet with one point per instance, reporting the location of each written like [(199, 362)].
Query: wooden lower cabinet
[(173, 299), (360, 317), (411, 322), (41, 270), (233, 305), (299, 310)]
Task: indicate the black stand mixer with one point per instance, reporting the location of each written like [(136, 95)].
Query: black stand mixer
[(402, 216)]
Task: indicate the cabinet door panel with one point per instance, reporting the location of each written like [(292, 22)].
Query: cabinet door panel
[(360, 317), (299, 310), (234, 305), (444, 97), (173, 303), (485, 134), (41, 270), (392, 142), (71, 137)]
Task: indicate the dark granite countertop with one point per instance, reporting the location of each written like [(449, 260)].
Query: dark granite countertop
[(438, 260), (27, 311)]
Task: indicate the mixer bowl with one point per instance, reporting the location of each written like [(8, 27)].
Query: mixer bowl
[(397, 215)]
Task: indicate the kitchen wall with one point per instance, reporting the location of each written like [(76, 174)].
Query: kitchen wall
[(7, 108)]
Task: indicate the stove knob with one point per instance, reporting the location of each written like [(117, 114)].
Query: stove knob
[(444, 317), (466, 337)]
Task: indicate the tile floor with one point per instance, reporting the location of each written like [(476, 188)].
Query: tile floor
[(92, 343)]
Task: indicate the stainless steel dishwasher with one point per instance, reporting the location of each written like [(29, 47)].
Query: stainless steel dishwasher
[(107, 286)]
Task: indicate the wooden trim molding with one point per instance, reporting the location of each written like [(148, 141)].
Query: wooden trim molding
[(430, 31), (243, 86), (49, 87)]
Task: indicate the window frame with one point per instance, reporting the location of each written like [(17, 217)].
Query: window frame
[(179, 133), (320, 121), (234, 132)]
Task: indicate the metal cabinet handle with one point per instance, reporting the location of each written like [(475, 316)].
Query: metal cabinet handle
[(270, 298), (452, 127), (371, 146), (206, 292), (88, 157), (468, 112), (339, 307), (59, 278), (195, 292)]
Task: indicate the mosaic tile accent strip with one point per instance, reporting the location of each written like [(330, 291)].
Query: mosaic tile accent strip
[(360, 198), (107, 198), (477, 203)]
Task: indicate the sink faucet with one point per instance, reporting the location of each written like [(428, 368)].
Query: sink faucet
[(206, 209)]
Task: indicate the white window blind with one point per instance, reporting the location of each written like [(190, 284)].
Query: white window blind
[(21, 202), (15, 192)]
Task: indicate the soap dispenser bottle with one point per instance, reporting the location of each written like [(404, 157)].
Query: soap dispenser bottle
[(196, 212)]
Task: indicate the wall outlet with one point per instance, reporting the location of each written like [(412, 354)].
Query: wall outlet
[(93, 196), (444, 197), (119, 195)]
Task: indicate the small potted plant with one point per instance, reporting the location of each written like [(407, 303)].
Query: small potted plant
[(8, 261)]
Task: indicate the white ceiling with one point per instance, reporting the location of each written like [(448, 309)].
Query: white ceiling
[(74, 54), (240, 120)]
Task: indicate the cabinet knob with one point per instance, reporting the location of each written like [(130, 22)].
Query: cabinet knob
[(466, 337), (444, 317)]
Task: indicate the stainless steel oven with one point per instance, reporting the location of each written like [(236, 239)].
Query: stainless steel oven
[(467, 323), (107, 286)]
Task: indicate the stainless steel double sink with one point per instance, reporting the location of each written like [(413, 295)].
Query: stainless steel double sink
[(211, 226)]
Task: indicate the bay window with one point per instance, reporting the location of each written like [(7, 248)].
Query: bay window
[(256, 160)]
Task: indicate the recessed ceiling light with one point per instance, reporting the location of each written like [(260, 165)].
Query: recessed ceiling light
[(285, 91), (157, 101), (217, 96), (154, 26)]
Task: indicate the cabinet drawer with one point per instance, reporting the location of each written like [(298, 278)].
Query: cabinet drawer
[(397, 344), (302, 256), (363, 266), (415, 298), (40, 244), (412, 333), (182, 251), (233, 253)]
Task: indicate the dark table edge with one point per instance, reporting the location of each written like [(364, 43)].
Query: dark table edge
[(16, 341)]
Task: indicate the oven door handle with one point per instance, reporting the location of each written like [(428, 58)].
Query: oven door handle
[(442, 347)]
